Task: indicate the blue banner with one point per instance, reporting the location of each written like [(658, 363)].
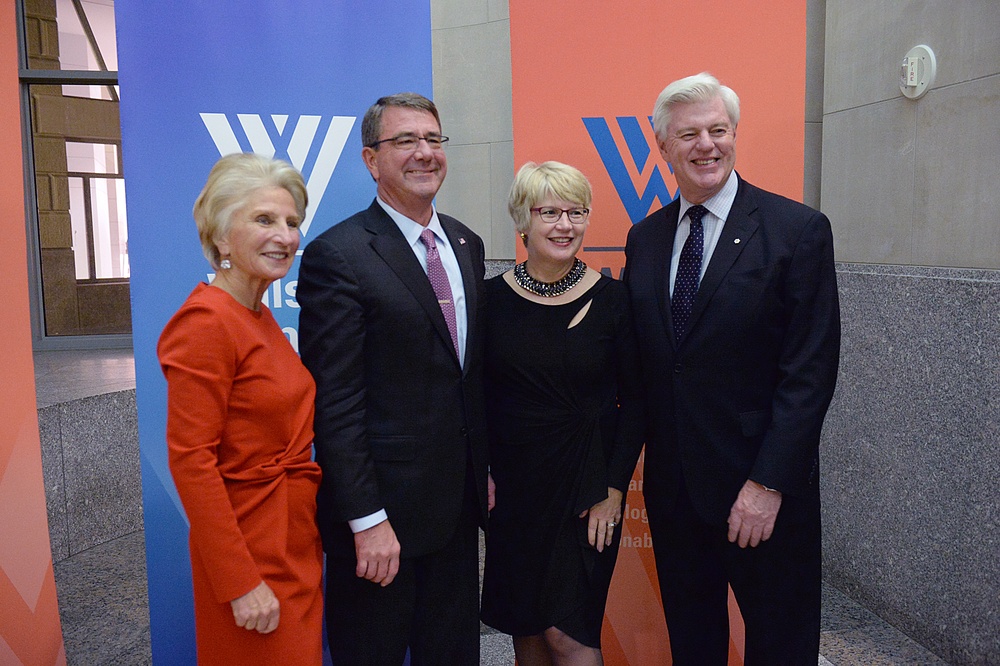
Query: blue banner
[(202, 79)]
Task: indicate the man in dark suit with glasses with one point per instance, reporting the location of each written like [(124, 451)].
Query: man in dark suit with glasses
[(390, 329)]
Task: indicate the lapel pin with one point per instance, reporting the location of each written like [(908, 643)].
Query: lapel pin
[(737, 241), (461, 241)]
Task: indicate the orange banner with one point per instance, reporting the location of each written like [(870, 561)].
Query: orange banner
[(29, 614), (585, 76)]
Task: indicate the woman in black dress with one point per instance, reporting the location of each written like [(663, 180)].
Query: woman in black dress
[(565, 427)]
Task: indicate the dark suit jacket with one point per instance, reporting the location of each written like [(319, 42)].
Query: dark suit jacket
[(398, 420), (743, 394)]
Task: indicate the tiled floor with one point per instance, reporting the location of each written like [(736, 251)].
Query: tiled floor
[(102, 591)]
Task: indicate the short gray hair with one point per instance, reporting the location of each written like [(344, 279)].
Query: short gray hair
[(371, 124), (698, 88)]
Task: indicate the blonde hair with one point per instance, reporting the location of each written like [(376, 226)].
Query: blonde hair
[(534, 182), (231, 182)]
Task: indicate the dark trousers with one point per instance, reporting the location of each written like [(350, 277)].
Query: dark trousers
[(777, 586), (432, 607)]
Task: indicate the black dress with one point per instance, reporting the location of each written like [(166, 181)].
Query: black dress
[(565, 423)]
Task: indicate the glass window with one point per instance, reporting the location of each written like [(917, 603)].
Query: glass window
[(87, 43), (100, 235), (92, 157), (79, 216), (97, 211)]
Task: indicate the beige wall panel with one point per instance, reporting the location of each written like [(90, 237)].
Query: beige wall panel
[(868, 181), (864, 52), (472, 88), (456, 13), (815, 52), (92, 120), (48, 43), (466, 191), (104, 308), (33, 35), (813, 168), (50, 154), (49, 114), (40, 8), (965, 37), (43, 192), (955, 192), (472, 82), (59, 286), (55, 230), (77, 118), (501, 176), (869, 41), (58, 192), (499, 10)]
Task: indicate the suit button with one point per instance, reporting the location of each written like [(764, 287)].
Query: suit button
[(678, 368), (464, 431)]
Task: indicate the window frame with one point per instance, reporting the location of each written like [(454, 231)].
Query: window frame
[(26, 78)]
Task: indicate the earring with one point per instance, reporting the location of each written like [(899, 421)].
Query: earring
[(524, 236), (225, 264)]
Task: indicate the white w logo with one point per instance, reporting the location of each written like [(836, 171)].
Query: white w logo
[(299, 144)]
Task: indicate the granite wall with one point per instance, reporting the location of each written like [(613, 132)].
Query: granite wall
[(90, 460), (911, 455)]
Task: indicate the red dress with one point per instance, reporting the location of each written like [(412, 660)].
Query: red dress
[(239, 433)]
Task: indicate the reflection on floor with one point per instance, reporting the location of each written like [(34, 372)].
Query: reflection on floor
[(102, 591), (61, 376)]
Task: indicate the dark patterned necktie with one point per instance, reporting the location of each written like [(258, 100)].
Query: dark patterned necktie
[(439, 282), (688, 272)]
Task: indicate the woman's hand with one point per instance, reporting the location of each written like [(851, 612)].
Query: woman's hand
[(257, 609), (604, 517)]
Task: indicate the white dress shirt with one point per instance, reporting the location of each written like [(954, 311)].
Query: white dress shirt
[(718, 210), (411, 230)]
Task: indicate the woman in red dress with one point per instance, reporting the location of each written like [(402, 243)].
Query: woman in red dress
[(239, 427)]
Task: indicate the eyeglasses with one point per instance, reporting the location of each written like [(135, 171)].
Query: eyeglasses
[(407, 142), (552, 214)]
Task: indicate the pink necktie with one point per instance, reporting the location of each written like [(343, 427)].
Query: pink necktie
[(440, 284)]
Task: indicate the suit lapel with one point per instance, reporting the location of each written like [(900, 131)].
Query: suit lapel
[(668, 227), (736, 232), (390, 244)]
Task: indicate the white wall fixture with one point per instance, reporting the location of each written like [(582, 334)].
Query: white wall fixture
[(916, 76)]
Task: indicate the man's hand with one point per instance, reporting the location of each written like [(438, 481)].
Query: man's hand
[(751, 520), (378, 553), (257, 610), (491, 493)]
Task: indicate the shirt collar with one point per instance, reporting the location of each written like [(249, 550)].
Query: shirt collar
[(411, 229), (719, 203)]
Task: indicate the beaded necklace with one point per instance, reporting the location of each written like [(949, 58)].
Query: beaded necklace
[(550, 289)]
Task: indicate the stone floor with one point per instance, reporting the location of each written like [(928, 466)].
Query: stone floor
[(103, 605), (102, 590), (61, 376)]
